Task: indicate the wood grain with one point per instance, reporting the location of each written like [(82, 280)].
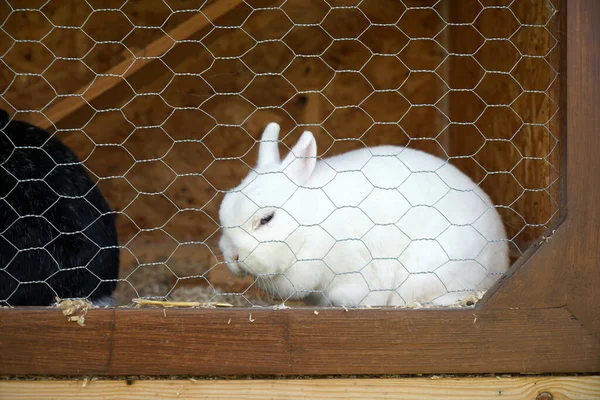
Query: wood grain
[(151, 53), (565, 271), (583, 113), (294, 342), (509, 388), (542, 318), (528, 211)]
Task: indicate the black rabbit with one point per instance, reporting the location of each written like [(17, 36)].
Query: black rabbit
[(57, 233)]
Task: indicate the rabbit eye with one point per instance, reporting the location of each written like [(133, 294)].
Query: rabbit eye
[(266, 219)]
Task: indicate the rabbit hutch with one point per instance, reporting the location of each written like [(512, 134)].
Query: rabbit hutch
[(164, 103)]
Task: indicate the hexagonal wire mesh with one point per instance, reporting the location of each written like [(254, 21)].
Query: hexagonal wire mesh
[(165, 129)]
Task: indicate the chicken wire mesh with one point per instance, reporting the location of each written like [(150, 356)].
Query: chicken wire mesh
[(164, 105)]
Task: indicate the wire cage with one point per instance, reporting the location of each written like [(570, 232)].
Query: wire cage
[(475, 86), (164, 105)]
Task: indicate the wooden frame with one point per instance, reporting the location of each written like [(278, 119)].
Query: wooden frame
[(510, 388), (542, 318)]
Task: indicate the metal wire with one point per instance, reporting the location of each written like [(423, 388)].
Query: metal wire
[(477, 24)]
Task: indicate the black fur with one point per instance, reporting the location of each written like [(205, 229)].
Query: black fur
[(68, 245)]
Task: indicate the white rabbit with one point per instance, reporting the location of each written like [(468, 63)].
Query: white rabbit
[(383, 225)]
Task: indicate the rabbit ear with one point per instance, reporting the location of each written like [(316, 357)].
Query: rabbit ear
[(268, 151), (300, 163)]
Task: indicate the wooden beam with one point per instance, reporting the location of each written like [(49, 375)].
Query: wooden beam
[(542, 319), (69, 105), (40, 341), (583, 90), (509, 388)]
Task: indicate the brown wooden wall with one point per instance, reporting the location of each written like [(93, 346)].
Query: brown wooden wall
[(521, 154), (510, 146)]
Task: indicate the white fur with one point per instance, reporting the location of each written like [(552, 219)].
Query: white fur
[(384, 225)]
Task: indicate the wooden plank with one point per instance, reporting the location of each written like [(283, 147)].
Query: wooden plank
[(525, 327), (217, 342), (509, 388), (583, 113), (69, 105)]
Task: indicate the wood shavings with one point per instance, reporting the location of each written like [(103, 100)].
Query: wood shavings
[(75, 310), (316, 312), (546, 239), (229, 322), (87, 380), (470, 300), (80, 319), (414, 304), (250, 318)]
